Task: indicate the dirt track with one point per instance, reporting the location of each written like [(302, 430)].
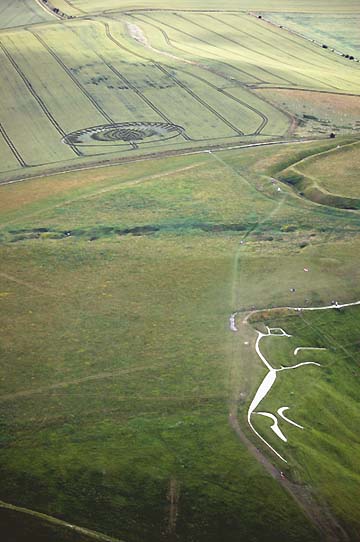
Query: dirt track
[(87, 533), (318, 514), (97, 164)]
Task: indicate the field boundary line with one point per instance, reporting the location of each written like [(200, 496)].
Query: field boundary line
[(169, 42), (315, 184), (238, 45), (47, 10), (140, 94), (91, 378), (160, 10), (115, 162), (260, 81), (39, 100), (85, 13), (80, 86), (301, 89), (290, 36), (198, 98), (72, 77), (127, 82), (262, 115), (250, 313), (105, 190), (28, 285), (95, 535), (319, 154), (273, 47), (12, 147), (295, 33)]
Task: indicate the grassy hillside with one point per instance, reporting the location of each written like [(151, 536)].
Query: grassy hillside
[(144, 242), (316, 112), (337, 172), (118, 359), (329, 177), (323, 399)]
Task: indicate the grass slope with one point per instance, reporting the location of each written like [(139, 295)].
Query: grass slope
[(337, 172), (322, 399), (117, 283), (118, 359), (324, 178)]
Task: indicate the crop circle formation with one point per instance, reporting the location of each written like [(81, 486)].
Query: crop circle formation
[(123, 132)]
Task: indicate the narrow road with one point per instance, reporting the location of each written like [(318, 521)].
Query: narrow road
[(98, 164), (318, 514)]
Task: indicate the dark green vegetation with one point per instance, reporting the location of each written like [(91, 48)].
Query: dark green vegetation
[(23, 524)]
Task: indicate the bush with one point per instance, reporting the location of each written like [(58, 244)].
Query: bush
[(288, 227), (291, 178)]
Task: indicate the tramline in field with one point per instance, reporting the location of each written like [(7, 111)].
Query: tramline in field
[(179, 240), (132, 67)]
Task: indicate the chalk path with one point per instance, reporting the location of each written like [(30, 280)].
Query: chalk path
[(270, 378), (280, 411), (306, 348), (266, 386)]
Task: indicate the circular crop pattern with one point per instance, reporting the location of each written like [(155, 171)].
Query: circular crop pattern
[(122, 133)]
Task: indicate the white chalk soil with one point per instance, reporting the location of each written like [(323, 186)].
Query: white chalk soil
[(271, 376)]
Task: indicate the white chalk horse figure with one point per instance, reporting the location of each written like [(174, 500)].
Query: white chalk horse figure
[(267, 384)]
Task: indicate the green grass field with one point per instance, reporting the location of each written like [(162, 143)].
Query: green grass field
[(132, 226), (324, 400), (326, 30), (117, 352), (336, 173), (328, 178)]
